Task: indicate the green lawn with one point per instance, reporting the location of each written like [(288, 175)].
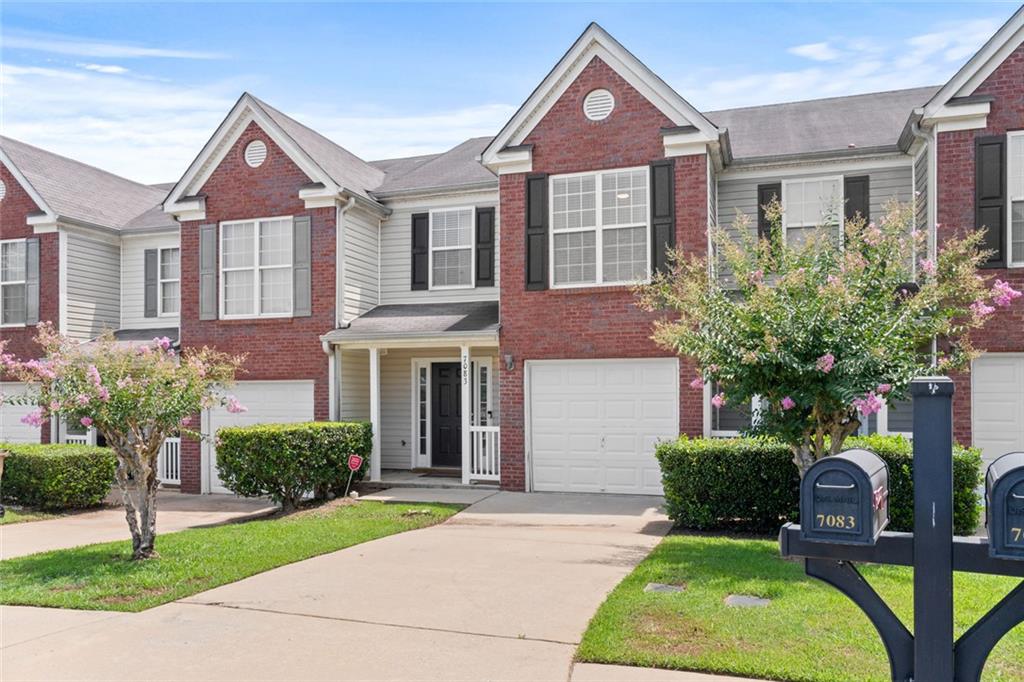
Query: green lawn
[(102, 576), (808, 632), (23, 515)]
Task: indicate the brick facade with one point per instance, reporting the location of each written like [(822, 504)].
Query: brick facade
[(955, 212), (597, 322), (276, 349), (15, 208)]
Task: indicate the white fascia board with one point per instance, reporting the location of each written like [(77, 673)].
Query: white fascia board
[(508, 161), (595, 42), (959, 117), (986, 60), (245, 111), (184, 210), (687, 143), (51, 216)]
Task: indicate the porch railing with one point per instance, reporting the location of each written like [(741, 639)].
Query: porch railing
[(76, 439), (169, 463), (485, 458)]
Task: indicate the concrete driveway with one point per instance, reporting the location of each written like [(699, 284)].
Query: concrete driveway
[(504, 590), (175, 511)]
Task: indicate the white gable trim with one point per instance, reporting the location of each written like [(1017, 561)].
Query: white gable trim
[(245, 111), (991, 55), (594, 42), (51, 216)]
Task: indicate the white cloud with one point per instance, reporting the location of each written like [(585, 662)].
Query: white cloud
[(82, 47), (819, 52), (102, 68)]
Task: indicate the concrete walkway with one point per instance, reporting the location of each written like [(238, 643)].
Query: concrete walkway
[(502, 591), (175, 511)]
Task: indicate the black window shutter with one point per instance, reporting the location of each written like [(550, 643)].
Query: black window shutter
[(857, 192), (990, 195), (485, 247), (150, 265), (536, 232), (765, 195), (663, 213), (420, 251)]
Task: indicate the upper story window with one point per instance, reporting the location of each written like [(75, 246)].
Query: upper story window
[(13, 277), (170, 281), (256, 268), (451, 248), (1016, 194), (600, 228), (809, 203)]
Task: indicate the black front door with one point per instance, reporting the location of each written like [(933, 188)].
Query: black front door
[(445, 415)]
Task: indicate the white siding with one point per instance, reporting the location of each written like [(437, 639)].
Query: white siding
[(93, 300), (133, 280), (355, 385), (396, 245), (360, 261)]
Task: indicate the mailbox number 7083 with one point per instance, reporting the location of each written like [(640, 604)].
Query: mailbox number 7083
[(837, 521)]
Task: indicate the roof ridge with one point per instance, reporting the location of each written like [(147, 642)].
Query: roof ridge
[(6, 138), (821, 99)]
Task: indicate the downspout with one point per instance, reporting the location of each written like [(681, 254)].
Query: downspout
[(339, 224), (933, 236)]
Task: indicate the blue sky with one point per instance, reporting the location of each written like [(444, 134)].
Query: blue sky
[(138, 88)]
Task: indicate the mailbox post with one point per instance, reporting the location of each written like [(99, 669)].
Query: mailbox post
[(844, 483)]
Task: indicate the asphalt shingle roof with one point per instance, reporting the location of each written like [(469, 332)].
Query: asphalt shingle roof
[(456, 167), (77, 191), (820, 125), (421, 319)]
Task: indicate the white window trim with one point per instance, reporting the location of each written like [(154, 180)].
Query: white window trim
[(882, 424), (822, 178), (471, 247), (598, 228), (12, 325), (1011, 199), (160, 281), (256, 268), (755, 408), (418, 364)]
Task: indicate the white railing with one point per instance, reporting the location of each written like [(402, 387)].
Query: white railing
[(485, 457), (169, 463), (76, 439)]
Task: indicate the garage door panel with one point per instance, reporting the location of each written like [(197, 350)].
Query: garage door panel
[(997, 395), (12, 430), (615, 413)]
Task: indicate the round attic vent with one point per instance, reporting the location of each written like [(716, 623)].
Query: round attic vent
[(598, 104), (3, 190), (255, 153)]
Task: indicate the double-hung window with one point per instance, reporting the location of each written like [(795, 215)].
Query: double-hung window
[(600, 228), (13, 277), (810, 203), (256, 268), (170, 281), (1015, 141), (451, 248)]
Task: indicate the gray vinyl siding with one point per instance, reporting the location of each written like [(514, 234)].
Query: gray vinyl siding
[(133, 311), (93, 300), (360, 263), (921, 188), (396, 245), (355, 385)]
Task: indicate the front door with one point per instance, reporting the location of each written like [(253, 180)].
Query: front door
[(446, 415)]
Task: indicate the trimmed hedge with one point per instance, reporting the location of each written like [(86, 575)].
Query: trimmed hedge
[(288, 461), (55, 477), (747, 484)]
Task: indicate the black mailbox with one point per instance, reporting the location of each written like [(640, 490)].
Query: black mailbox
[(845, 499), (1004, 502)]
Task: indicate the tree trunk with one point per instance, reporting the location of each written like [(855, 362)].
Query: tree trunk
[(137, 478), (803, 457)]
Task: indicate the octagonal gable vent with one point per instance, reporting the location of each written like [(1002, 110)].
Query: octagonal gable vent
[(598, 104), (255, 153)]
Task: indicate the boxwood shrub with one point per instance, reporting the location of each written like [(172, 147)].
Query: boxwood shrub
[(55, 477), (287, 461), (746, 484)]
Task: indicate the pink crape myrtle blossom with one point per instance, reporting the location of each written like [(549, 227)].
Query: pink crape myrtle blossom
[(884, 388), (826, 362), (718, 400), (981, 309), (86, 421), (788, 403), (94, 376), (697, 383), (869, 404), (163, 342), (34, 418), (928, 267), (234, 406), (1003, 294)]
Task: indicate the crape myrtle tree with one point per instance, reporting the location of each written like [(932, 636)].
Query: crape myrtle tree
[(134, 396), (823, 330)]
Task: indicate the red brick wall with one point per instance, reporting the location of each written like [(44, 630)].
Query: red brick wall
[(14, 211), (282, 349), (598, 322), (955, 175)]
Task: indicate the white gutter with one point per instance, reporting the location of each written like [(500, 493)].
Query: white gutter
[(339, 223)]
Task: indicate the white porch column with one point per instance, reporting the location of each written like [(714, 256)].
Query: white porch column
[(467, 408), (375, 413)]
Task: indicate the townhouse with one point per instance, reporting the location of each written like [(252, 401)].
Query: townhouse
[(475, 305)]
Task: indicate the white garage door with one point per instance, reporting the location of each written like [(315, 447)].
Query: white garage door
[(11, 428), (997, 397), (268, 402), (594, 423)]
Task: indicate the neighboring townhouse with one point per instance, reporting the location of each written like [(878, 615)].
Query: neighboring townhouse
[(72, 253), (476, 305)]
